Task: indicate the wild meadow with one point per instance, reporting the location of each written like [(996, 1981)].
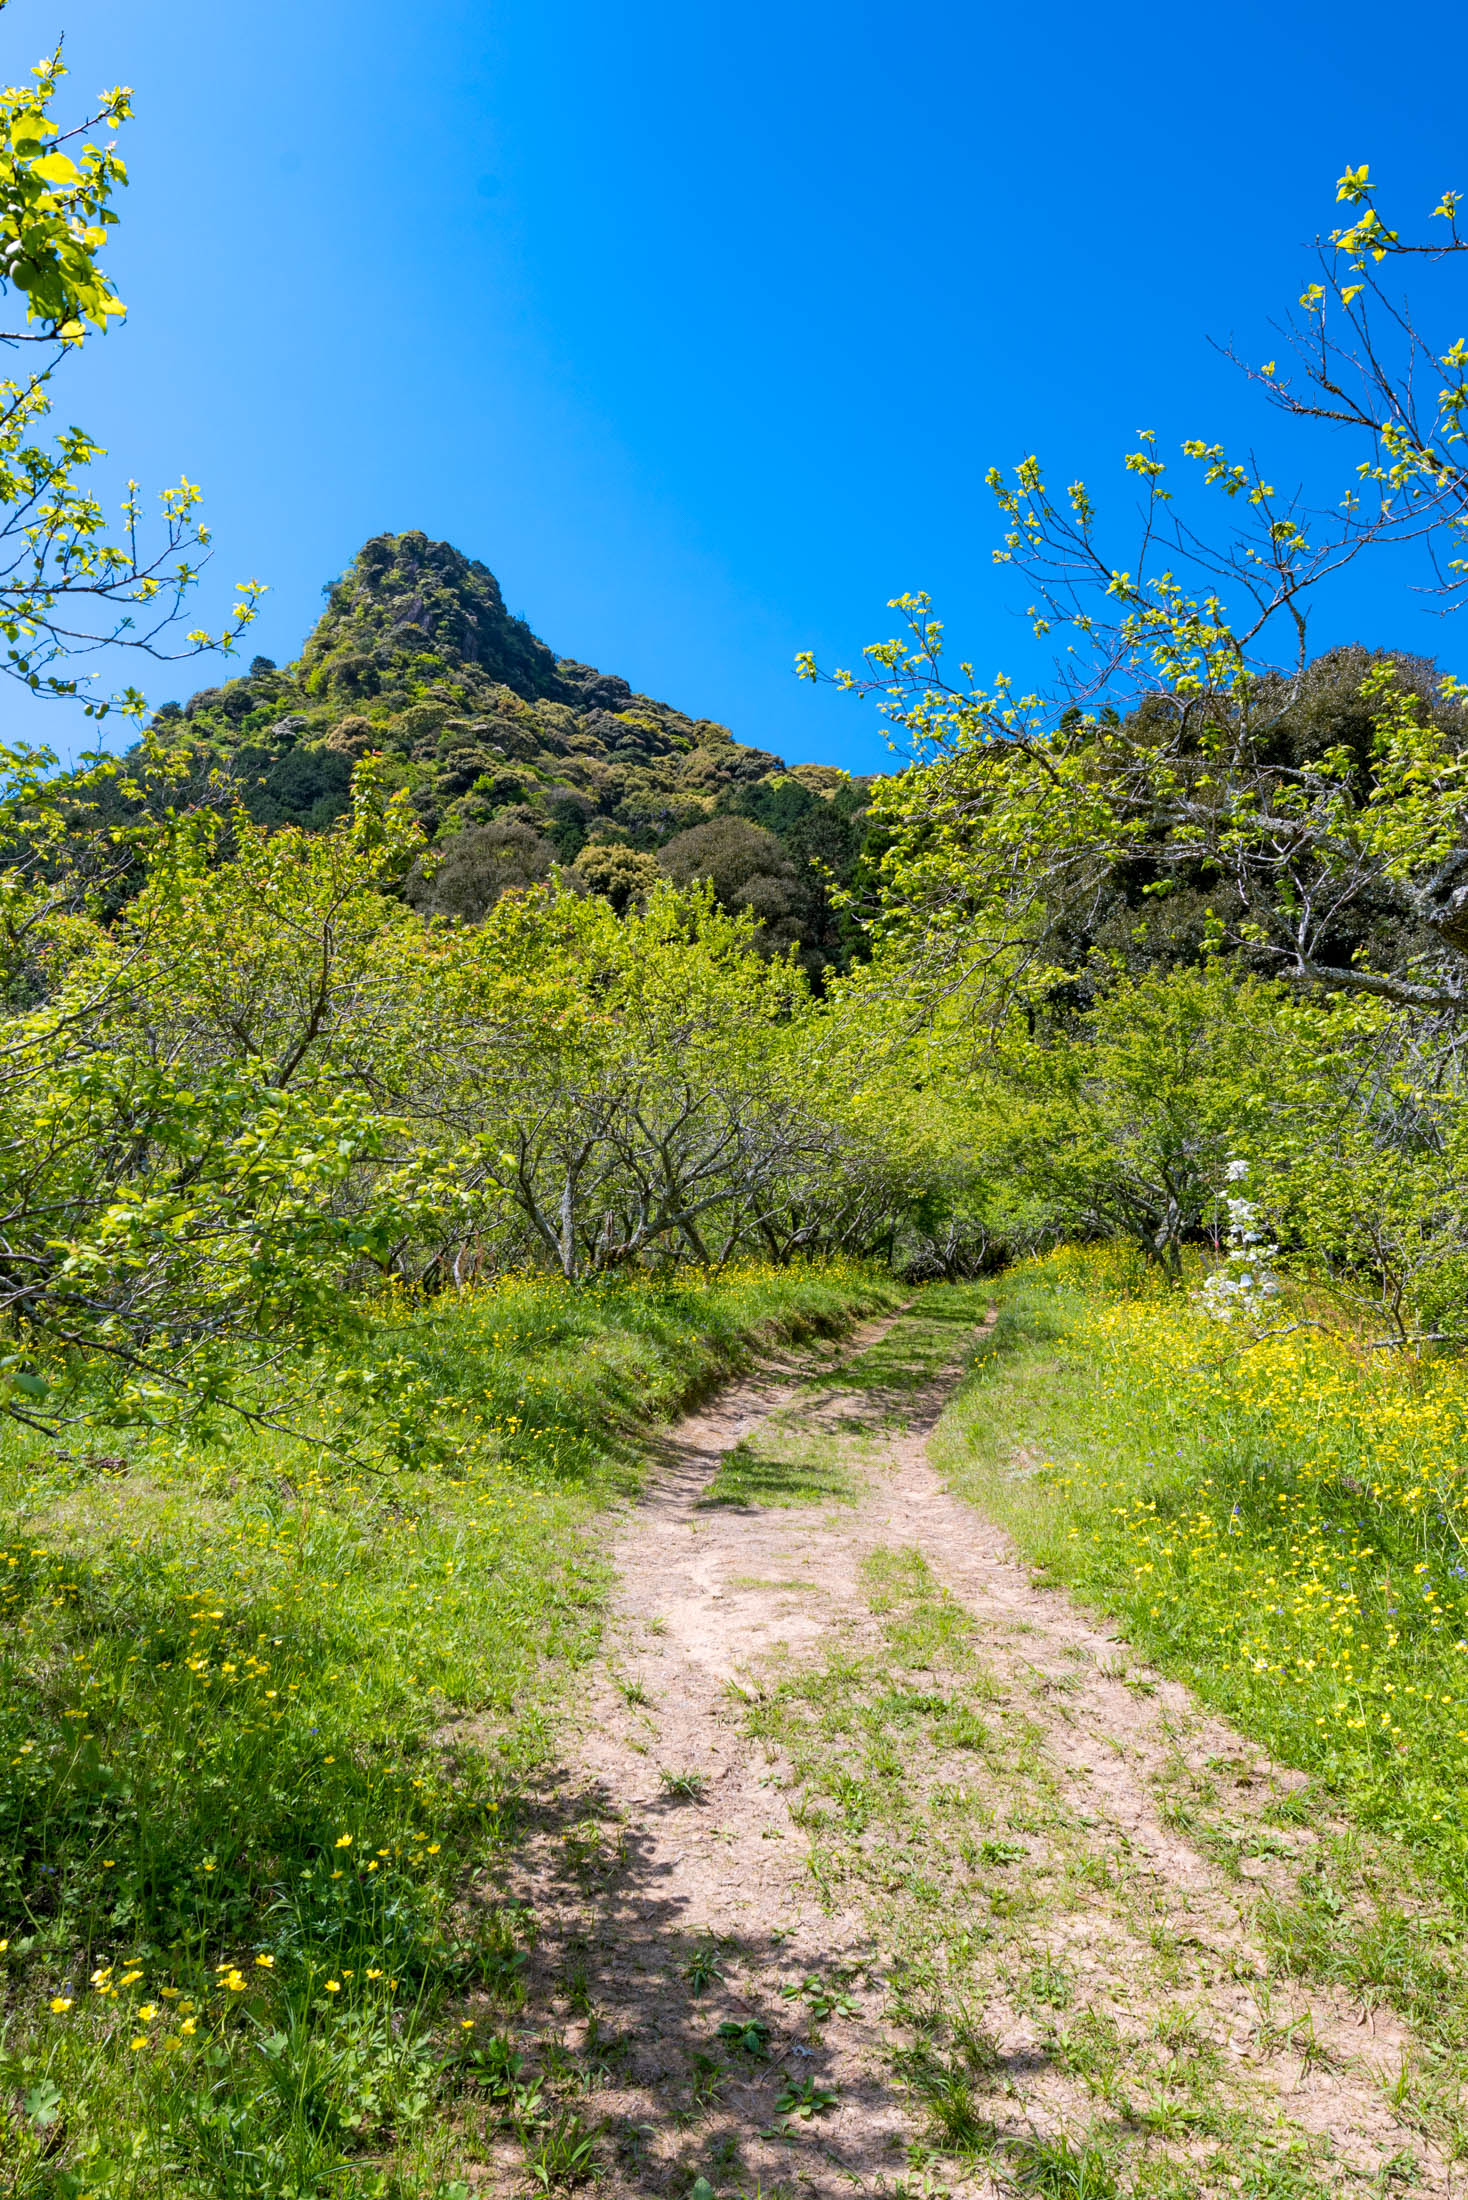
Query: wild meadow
[(267, 1732), (1281, 1520)]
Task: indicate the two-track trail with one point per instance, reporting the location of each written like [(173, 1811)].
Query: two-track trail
[(870, 1862)]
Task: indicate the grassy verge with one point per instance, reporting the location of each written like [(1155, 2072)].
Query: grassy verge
[(1284, 1525), (263, 1728)]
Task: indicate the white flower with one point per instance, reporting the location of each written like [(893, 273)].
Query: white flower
[(1243, 1283)]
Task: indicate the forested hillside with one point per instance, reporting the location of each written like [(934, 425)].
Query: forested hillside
[(518, 763)]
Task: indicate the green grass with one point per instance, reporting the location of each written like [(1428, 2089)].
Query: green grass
[(265, 1727), (935, 1331), (779, 1465), (1280, 1526)]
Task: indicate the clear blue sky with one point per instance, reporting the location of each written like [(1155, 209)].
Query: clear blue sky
[(700, 324)]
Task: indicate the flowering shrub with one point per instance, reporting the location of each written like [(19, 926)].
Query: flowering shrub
[(1245, 1282)]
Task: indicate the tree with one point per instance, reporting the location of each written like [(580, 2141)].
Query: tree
[(1170, 741), (470, 870), (621, 875), (622, 1084), (751, 871), (1122, 1122), (194, 1152)]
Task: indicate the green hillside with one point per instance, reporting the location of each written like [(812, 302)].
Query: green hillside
[(519, 761)]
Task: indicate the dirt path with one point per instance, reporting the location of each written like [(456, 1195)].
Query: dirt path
[(877, 1865)]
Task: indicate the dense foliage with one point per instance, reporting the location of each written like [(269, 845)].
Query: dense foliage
[(517, 763)]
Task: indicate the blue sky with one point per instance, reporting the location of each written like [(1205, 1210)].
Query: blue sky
[(700, 325)]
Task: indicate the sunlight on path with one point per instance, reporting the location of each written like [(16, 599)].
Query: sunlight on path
[(878, 1866)]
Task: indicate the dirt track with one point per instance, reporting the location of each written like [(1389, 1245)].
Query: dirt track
[(692, 1824)]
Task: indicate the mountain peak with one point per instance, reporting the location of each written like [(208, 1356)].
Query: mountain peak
[(404, 595), (489, 732)]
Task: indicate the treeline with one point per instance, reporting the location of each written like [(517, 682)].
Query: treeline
[(249, 1075), (244, 1081)]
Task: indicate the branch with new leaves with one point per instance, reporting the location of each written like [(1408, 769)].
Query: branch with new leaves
[(1176, 746), (72, 583)]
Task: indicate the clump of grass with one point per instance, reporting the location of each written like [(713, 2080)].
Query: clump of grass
[(1000, 1852), (946, 2085), (801, 2099), (749, 2034), (703, 1966), (683, 1787), (1064, 2172), (822, 1998), (560, 2154)]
